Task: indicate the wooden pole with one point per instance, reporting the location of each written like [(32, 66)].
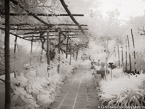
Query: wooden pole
[(122, 58), (134, 51), (7, 56), (26, 24), (115, 54), (70, 55), (129, 53), (41, 55), (48, 52), (69, 13), (126, 59), (118, 56), (31, 51), (73, 52), (67, 47), (59, 40), (15, 45), (77, 52), (40, 14)]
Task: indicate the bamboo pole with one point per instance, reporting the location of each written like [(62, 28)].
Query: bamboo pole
[(45, 29), (31, 51), (77, 52), (41, 54), (118, 55), (15, 45), (115, 54), (59, 40), (134, 51), (129, 54), (126, 58), (7, 56), (122, 57), (48, 52), (67, 47), (69, 13), (26, 24), (73, 52), (41, 14), (70, 55)]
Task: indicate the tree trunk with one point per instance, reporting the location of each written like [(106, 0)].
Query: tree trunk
[(7, 55)]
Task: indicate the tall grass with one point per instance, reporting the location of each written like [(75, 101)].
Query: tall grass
[(123, 89)]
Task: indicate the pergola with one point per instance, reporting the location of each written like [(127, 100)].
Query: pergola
[(39, 30)]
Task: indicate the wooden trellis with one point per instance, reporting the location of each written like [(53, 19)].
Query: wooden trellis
[(28, 29)]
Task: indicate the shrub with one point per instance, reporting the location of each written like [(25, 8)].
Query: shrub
[(124, 90)]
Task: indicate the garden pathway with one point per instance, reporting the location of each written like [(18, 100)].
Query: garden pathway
[(78, 92)]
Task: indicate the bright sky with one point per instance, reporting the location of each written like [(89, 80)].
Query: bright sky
[(127, 8)]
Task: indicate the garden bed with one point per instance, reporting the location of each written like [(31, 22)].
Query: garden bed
[(122, 90)]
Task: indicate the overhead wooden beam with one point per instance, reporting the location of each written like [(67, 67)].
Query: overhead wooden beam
[(36, 29), (69, 13), (26, 24), (30, 36), (14, 34), (40, 14), (53, 31)]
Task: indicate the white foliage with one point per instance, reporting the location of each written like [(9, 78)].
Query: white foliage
[(120, 84), (38, 90)]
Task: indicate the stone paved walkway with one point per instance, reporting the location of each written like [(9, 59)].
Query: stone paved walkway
[(78, 92)]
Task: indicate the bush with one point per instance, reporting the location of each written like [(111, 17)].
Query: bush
[(124, 90)]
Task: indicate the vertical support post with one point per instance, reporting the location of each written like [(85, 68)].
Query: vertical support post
[(134, 51), (48, 52), (122, 58), (70, 55), (77, 52), (67, 46), (31, 51), (118, 56), (7, 55), (73, 52), (41, 55), (59, 39), (59, 42), (129, 53), (115, 54), (126, 59), (15, 45)]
